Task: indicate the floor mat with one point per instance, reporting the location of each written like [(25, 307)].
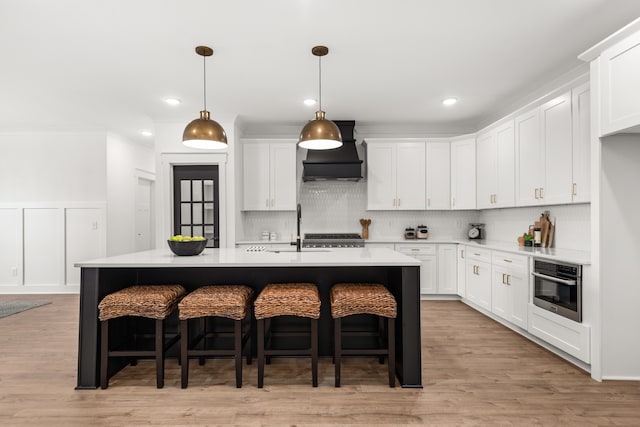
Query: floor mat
[(7, 308)]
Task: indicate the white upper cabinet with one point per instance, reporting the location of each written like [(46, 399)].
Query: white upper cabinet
[(396, 177), (269, 175), (463, 173), (496, 167), (438, 175), (620, 86), (543, 138), (555, 118), (581, 189)]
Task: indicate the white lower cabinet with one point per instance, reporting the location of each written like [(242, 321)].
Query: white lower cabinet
[(510, 288), (447, 269), (571, 337), (428, 257), (462, 271), (478, 275)]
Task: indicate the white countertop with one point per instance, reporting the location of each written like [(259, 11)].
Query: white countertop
[(240, 258), (568, 255)]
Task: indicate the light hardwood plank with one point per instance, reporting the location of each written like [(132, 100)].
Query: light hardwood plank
[(475, 372)]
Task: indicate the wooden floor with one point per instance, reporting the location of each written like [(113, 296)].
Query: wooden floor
[(475, 372)]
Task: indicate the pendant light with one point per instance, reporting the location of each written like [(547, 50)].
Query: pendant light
[(204, 132), (320, 134)]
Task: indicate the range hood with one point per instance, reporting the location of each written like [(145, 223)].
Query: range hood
[(340, 163)]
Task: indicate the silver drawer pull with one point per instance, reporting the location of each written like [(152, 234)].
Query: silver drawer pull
[(476, 254), (507, 260)]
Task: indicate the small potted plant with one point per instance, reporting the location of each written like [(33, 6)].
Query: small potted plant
[(528, 239)]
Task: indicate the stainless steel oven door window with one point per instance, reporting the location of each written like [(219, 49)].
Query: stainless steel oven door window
[(558, 288)]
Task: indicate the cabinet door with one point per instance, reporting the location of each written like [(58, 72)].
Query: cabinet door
[(479, 283), (528, 158), (518, 284), (447, 269), (283, 176), (428, 274), (504, 193), (557, 140), (500, 293), (381, 176), (462, 272), (438, 175), (463, 174), (410, 176), (486, 172), (256, 177), (581, 110), (619, 100)]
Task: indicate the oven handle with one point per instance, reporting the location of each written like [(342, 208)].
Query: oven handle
[(555, 279)]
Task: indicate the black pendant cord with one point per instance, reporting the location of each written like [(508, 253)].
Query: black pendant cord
[(320, 83), (204, 80)]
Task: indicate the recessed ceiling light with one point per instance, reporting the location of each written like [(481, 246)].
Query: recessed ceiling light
[(309, 102), (173, 101), (146, 133), (449, 101)]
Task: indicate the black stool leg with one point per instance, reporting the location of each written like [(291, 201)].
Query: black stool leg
[(237, 337), (381, 335), (247, 332), (337, 348), (159, 353), (203, 331), (391, 346), (314, 352), (104, 354), (184, 352), (260, 352)]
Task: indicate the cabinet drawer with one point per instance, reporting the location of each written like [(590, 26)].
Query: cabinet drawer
[(416, 249), (478, 254), (505, 259)]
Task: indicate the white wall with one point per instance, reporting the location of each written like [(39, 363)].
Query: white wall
[(572, 224), (124, 160), (619, 255), (60, 166), (48, 181)]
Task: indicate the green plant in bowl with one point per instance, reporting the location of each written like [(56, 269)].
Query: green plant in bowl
[(187, 245)]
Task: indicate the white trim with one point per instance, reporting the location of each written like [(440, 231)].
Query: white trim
[(53, 205), (226, 209), (624, 32)]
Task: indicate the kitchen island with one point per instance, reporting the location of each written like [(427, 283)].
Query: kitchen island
[(400, 273)]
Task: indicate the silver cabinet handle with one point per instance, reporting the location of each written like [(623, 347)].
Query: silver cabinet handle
[(536, 193), (507, 260), (573, 189), (508, 281), (555, 279), (398, 202), (541, 193), (462, 253), (267, 203), (504, 280)]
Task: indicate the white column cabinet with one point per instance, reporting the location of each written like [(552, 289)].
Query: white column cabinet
[(528, 158), (269, 175), (438, 172), (463, 173), (619, 86), (396, 177), (581, 110)]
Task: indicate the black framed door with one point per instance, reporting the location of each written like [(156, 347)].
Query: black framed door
[(196, 202)]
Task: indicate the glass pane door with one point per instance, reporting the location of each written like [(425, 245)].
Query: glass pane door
[(195, 202)]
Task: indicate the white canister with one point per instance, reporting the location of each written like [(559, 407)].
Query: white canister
[(264, 235), (273, 236)]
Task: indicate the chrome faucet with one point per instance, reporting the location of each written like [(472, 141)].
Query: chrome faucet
[(298, 242)]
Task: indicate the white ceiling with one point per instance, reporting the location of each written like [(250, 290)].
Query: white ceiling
[(83, 65)]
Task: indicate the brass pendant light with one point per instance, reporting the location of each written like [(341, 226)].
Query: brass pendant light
[(320, 134), (204, 132)]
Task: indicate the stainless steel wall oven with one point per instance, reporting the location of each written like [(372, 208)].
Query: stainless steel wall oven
[(558, 288)]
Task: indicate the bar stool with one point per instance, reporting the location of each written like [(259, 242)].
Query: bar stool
[(227, 301), (287, 299), (348, 299), (149, 301)]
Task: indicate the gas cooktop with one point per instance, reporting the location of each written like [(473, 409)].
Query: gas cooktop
[(332, 240)]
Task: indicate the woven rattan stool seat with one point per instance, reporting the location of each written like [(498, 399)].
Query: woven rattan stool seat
[(362, 298), (230, 301), (288, 299), (152, 301)]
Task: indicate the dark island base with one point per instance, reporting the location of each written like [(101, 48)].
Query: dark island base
[(403, 282)]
